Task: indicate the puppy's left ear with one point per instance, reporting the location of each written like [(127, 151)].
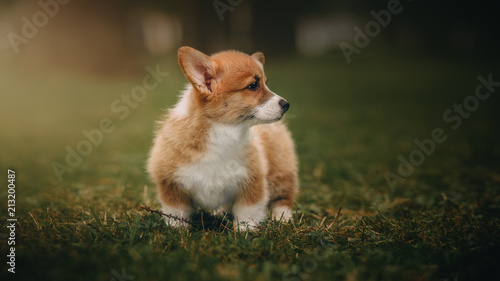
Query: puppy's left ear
[(259, 57), (197, 68)]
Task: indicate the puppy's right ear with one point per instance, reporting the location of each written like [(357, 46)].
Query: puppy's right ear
[(197, 68), (259, 57)]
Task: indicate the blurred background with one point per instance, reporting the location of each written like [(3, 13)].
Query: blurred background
[(365, 79), (118, 37), (67, 65)]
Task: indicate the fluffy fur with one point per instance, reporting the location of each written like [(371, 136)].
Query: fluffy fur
[(222, 146)]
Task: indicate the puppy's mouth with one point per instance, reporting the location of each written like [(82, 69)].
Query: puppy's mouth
[(270, 111), (252, 117)]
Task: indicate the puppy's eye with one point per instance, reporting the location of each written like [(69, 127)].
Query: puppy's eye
[(254, 86)]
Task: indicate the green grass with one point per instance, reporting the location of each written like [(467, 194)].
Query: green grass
[(350, 123)]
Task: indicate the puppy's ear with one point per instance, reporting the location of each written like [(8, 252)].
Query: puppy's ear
[(259, 57), (197, 68)]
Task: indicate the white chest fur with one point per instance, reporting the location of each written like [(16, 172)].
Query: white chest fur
[(213, 180)]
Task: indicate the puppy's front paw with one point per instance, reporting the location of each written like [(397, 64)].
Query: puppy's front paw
[(176, 223), (282, 213), (177, 217), (248, 217), (246, 225)]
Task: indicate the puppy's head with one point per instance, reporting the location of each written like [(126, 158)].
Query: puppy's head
[(231, 86)]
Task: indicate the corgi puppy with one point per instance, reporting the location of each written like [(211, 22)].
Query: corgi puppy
[(223, 146)]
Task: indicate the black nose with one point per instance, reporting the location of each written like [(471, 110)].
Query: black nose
[(284, 105)]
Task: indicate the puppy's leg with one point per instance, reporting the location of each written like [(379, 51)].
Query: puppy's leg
[(283, 188), (176, 203), (282, 173), (250, 207), (282, 211)]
